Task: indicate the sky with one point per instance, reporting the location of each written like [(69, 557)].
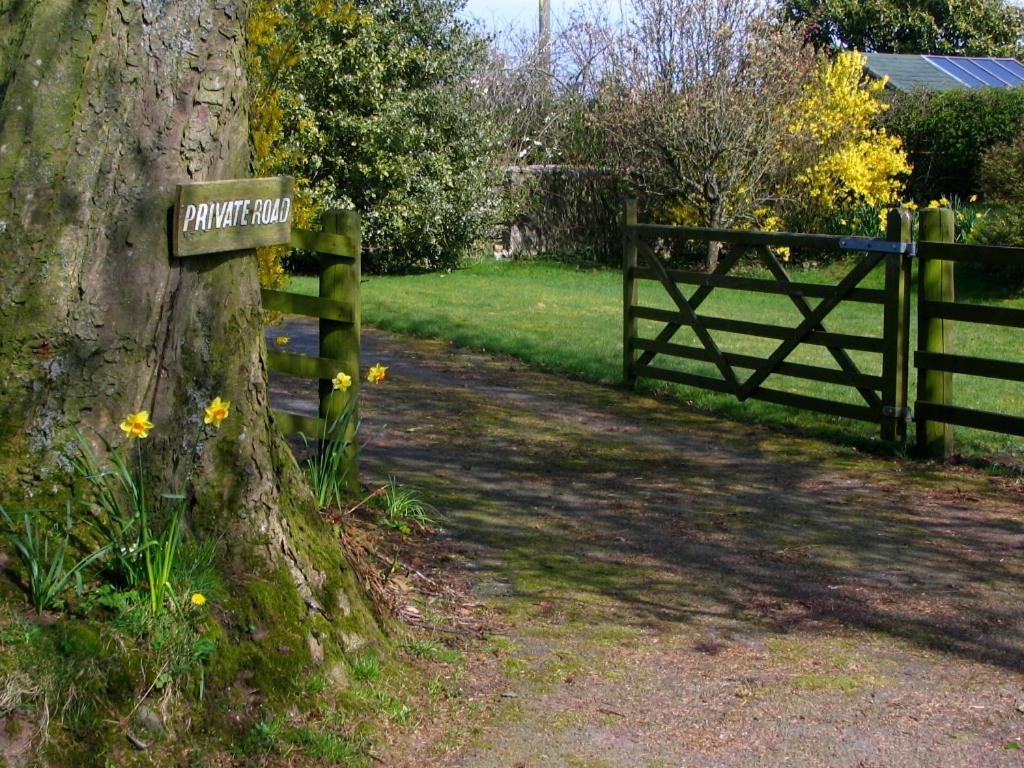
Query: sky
[(499, 15)]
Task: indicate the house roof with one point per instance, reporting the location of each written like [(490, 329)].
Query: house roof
[(908, 72)]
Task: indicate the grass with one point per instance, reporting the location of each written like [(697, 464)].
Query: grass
[(568, 320), (366, 668)]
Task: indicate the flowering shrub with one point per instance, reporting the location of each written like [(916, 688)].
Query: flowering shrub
[(846, 162), (275, 34)]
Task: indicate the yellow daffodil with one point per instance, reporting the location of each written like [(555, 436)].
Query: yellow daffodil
[(377, 373), (910, 205), (216, 412), (972, 199), (944, 202), (282, 340), (137, 425), (933, 204), (342, 381), (198, 598)]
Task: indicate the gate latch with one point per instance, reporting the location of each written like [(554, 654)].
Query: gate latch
[(877, 245)]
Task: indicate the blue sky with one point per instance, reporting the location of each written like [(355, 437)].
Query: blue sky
[(498, 15)]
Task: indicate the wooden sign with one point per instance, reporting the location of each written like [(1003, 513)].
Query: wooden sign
[(218, 216)]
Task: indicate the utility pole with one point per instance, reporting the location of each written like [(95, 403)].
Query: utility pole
[(544, 42)]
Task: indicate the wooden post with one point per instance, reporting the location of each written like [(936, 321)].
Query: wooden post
[(339, 280), (896, 330), (935, 283), (629, 293)]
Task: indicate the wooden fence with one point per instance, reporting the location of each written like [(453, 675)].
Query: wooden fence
[(337, 309), (936, 361), (882, 392)]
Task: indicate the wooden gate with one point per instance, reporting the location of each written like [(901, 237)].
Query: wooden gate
[(881, 393)]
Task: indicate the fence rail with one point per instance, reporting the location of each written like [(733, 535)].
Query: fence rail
[(883, 392), (338, 310)]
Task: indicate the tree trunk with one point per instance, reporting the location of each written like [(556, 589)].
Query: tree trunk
[(714, 248), (104, 106), (711, 255)]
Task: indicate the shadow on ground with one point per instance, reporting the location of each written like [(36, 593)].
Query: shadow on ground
[(585, 506)]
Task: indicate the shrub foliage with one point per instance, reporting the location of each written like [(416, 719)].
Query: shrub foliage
[(1002, 180), (946, 134), (370, 105)]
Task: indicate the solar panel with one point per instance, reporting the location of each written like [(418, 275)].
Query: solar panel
[(975, 72), (977, 68), (1013, 69), (945, 64)]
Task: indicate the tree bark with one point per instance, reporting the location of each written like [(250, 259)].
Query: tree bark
[(104, 106)]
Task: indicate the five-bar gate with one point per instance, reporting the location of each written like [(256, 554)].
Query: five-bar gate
[(881, 388)]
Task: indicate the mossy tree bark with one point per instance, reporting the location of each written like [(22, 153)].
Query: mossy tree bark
[(104, 106)]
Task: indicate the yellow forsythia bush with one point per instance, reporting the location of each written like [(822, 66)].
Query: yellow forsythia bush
[(846, 159)]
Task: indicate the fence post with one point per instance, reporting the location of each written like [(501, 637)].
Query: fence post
[(339, 280), (935, 283), (895, 359), (629, 293)]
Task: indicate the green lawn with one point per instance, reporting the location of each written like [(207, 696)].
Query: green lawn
[(564, 319)]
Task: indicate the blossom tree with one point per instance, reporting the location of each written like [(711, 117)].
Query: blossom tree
[(696, 97)]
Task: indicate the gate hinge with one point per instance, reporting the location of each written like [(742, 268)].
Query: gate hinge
[(906, 414), (877, 245)]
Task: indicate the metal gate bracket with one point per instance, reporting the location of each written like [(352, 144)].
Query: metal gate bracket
[(877, 245), (904, 414)]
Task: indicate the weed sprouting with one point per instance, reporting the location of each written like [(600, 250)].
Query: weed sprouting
[(432, 650), (326, 745), (396, 710)]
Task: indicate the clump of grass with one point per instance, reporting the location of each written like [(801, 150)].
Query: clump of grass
[(17, 688), (432, 650), (403, 509), (261, 739), (366, 668), (396, 710), (329, 746)]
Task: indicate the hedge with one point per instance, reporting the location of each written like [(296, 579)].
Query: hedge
[(946, 134)]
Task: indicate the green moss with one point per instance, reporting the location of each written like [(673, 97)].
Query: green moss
[(79, 640), (267, 647), (820, 681)]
